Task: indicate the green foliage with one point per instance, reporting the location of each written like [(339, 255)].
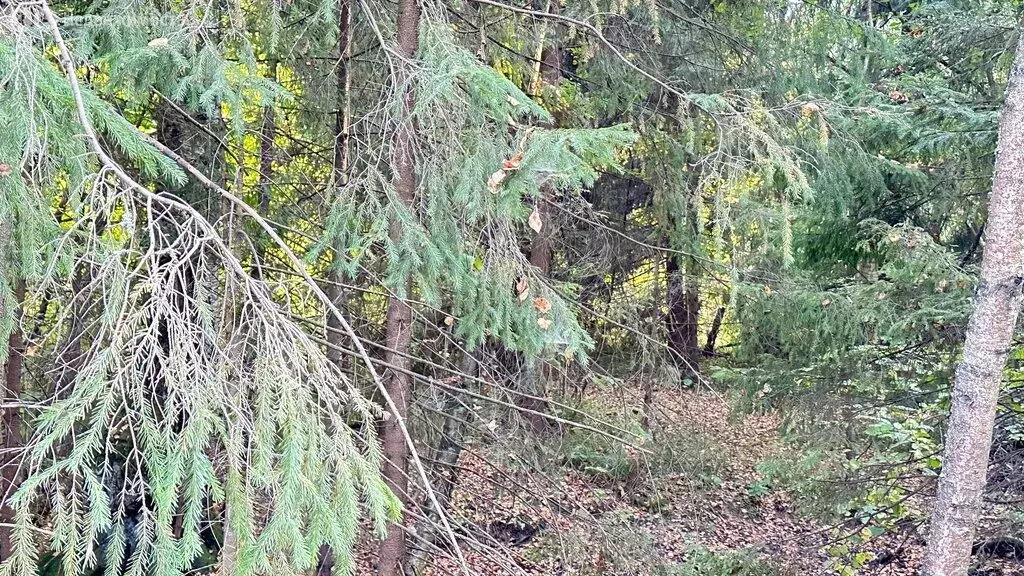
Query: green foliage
[(819, 171), (703, 562)]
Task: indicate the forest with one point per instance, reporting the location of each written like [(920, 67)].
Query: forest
[(524, 287)]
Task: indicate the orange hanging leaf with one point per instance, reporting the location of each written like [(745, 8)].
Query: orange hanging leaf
[(513, 163), (542, 305)]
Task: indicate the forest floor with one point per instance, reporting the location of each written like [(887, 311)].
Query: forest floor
[(700, 510)]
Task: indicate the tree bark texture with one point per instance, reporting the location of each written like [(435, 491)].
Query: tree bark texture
[(398, 335), (548, 72), (979, 374), (13, 442), (325, 557), (683, 318)]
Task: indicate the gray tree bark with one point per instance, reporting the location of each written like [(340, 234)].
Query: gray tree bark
[(979, 374)]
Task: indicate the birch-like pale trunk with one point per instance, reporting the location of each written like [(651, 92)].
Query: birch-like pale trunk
[(979, 374)]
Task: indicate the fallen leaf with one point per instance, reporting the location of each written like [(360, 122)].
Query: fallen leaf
[(494, 182), (535, 222), (448, 320), (158, 42), (5, 170), (544, 323), (542, 305)]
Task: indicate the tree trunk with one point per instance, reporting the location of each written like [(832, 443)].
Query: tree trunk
[(536, 384), (979, 374), (648, 382), (398, 337), (547, 71), (13, 441), (342, 129), (267, 132), (334, 291), (683, 316), (716, 326), (446, 459)]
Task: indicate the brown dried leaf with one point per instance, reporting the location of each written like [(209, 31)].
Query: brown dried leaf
[(5, 170), (494, 182), (541, 304), (522, 289), (512, 163), (535, 222)]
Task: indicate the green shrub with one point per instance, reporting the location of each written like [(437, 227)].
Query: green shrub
[(612, 547), (688, 453), (703, 562)]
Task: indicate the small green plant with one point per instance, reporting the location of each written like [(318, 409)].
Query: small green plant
[(808, 479), (681, 452), (703, 562), (598, 457), (612, 547), (692, 454)]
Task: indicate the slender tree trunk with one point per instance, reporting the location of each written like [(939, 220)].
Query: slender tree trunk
[(229, 336), (342, 129), (267, 151), (335, 277), (716, 326), (536, 384), (398, 337), (648, 383), (547, 72), (979, 374), (446, 459), (682, 319), (13, 442)]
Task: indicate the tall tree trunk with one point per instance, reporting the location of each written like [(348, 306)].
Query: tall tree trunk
[(342, 129), (446, 459), (682, 319), (230, 334), (335, 277), (979, 374), (547, 72), (13, 441), (398, 336), (267, 151), (648, 382)]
